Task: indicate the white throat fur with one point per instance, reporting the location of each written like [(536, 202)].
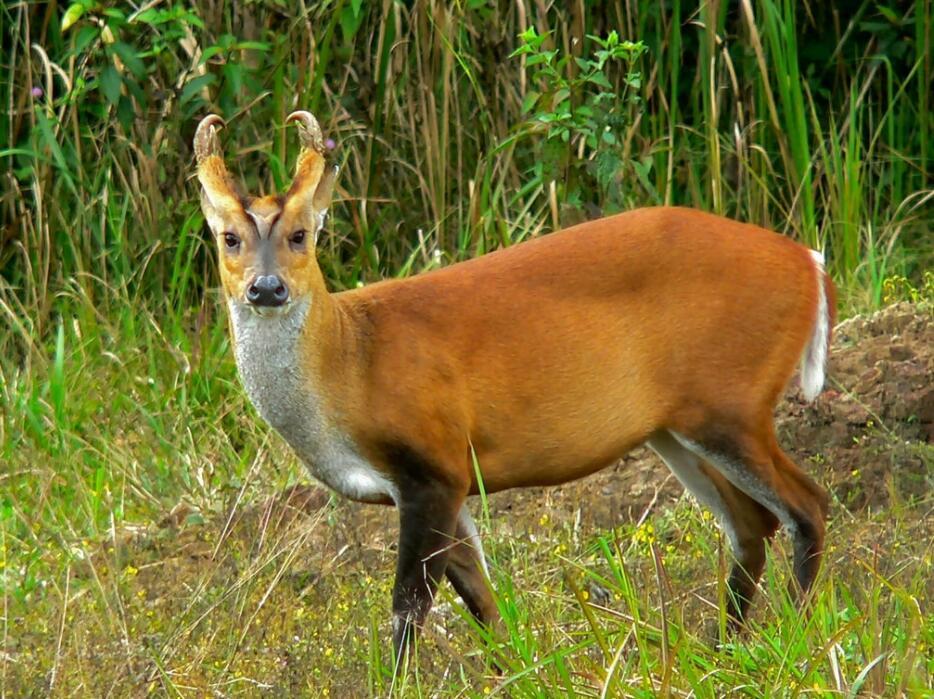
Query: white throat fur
[(271, 369)]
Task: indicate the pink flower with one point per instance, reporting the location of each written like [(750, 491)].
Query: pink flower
[(37, 92), (329, 144)]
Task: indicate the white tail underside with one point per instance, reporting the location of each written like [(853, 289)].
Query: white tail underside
[(815, 354)]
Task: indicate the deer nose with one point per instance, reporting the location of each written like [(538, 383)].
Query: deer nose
[(267, 290)]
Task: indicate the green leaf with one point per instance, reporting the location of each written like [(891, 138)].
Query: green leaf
[(253, 45), (634, 48), (523, 49), (150, 16), (888, 13), (233, 77), (130, 59), (209, 53), (116, 14), (601, 80), (126, 113), (195, 85), (351, 19), (136, 90), (84, 37), (110, 82), (529, 102), (72, 15)]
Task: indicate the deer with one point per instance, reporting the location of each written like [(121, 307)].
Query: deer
[(532, 365)]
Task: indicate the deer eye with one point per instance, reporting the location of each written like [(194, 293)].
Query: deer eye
[(231, 240), (297, 239)]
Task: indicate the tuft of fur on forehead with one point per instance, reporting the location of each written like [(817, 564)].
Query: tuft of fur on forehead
[(267, 206), (264, 212)]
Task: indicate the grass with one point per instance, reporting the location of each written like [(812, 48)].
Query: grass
[(107, 589), (146, 550), (753, 111), (126, 442)]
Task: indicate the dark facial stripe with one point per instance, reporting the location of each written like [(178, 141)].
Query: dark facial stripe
[(262, 224)]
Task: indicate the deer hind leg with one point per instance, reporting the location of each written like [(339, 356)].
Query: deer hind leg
[(753, 462), (809, 541), (746, 523), (467, 570)]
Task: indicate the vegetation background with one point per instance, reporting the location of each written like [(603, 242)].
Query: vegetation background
[(460, 127)]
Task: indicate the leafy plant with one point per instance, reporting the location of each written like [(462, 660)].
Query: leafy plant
[(583, 116), (898, 287)]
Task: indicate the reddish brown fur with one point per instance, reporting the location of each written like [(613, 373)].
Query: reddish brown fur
[(555, 357)]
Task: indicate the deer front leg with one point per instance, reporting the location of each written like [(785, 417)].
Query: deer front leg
[(427, 522)]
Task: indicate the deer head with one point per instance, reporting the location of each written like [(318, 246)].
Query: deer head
[(266, 245)]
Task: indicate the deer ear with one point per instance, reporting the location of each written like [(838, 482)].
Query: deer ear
[(323, 193), (219, 195), (313, 184)]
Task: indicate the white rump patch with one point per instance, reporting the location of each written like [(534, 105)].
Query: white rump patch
[(815, 354)]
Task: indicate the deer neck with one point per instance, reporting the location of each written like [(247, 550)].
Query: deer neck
[(280, 378), (279, 359)]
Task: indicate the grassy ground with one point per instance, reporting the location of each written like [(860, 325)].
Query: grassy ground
[(150, 546)]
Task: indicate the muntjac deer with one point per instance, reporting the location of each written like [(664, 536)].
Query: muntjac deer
[(547, 360)]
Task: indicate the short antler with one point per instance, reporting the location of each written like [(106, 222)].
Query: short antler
[(309, 130), (218, 187), (206, 141), (311, 164)]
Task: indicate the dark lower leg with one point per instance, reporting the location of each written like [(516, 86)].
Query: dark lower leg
[(809, 507), (426, 535), (465, 571), (752, 526), (808, 541)]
